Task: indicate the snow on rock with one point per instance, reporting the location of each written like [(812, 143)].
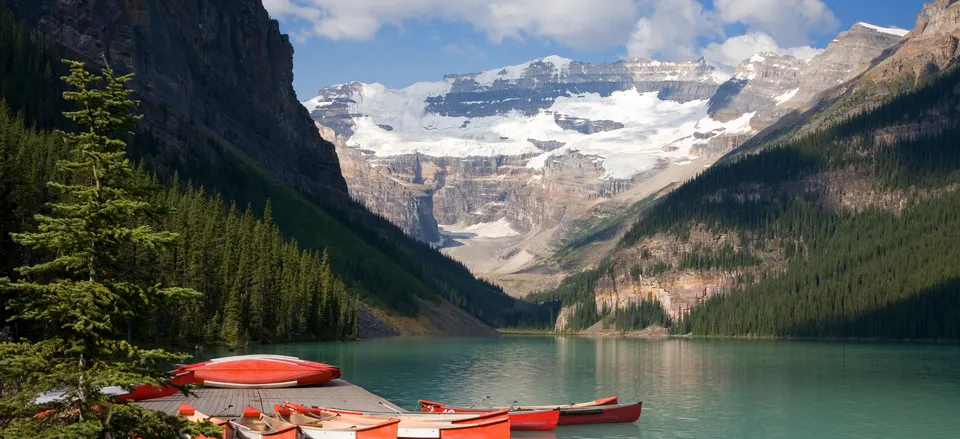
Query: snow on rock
[(513, 73), (786, 96), (497, 229), (650, 124), (886, 30)]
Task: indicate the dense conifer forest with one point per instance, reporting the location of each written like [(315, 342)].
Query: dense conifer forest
[(371, 259), (256, 285)]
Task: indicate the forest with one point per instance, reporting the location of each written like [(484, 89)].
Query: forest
[(372, 260), (256, 285), (870, 272)]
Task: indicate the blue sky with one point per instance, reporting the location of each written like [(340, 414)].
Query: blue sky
[(339, 41)]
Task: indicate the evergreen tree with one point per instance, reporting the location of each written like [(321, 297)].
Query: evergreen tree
[(83, 296)]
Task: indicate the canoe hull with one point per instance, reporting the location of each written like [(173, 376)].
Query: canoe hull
[(439, 407), (255, 425), (449, 418), (520, 420), (574, 414), (534, 420), (613, 414), (315, 428), (259, 372), (146, 391), (320, 433), (334, 370)]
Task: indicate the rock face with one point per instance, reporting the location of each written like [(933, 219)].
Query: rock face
[(774, 85), (931, 47), (759, 84), (400, 196), (508, 158), (213, 70), (531, 87)]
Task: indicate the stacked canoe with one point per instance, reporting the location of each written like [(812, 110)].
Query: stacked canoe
[(259, 371)]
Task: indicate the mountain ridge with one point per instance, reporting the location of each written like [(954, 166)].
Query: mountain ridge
[(544, 143)]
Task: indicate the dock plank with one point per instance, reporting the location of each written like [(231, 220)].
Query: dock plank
[(230, 402)]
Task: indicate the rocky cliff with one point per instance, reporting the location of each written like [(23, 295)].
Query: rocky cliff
[(215, 70), (774, 85)]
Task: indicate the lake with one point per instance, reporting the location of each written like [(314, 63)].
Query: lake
[(690, 388)]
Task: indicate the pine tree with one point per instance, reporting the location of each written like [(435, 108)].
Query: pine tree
[(83, 295)]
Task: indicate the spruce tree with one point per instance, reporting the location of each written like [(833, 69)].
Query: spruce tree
[(81, 296)]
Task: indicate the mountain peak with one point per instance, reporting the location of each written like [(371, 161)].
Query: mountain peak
[(556, 60), (885, 30)]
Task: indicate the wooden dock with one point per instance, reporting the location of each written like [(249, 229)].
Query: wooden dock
[(226, 403)]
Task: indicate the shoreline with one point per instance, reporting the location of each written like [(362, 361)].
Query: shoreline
[(649, 336)]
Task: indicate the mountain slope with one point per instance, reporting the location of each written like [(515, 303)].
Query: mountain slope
[(505, 168), (191, 59), (843, 225)]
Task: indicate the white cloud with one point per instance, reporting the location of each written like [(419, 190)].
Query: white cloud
[(671, 30), (734, 50), (789, 21), (664, 29), (579, 24)]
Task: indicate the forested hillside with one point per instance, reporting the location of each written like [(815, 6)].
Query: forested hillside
[(375, 260), (256, 285), (850, 231)]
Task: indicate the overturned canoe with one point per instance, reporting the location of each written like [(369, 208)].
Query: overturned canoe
[(259, 371), (601, 411), (494, 425), (306, 363)]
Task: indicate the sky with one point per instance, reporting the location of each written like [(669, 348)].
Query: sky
[(399, 42)]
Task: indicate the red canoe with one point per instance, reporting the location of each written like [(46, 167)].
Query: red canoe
[(306, 363), (601, 411), (146, 391), (607, 414), (520, 420), (260, 371), (495, 425), (313, 427), (255, 425)]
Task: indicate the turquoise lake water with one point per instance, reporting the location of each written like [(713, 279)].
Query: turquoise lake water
[(689, 388)]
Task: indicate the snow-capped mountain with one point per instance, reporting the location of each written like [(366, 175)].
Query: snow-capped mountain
[(503, 159), (625, 113)]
